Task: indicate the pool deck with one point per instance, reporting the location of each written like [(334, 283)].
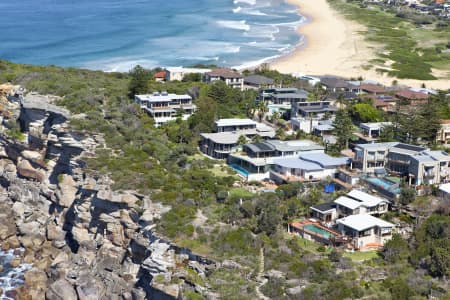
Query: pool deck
[(299, 227)]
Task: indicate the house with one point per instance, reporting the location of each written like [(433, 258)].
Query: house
[(355, 202), (408, 95), (164, 107), (353, 215), (256, 82), (373, 89), (371, 131), (255, 160), (224, 125), (443, 135), (218, 145), (323, 130), (307, 124), (160, 76), (347, 178), (178, 73), (230, 77), (306, 167), (367, 232), (312, 109), (336, 84), (444, 190), (418, 164), (312, 81), (283, 96)]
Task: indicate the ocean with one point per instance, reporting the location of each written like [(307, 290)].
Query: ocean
[(115, 35)]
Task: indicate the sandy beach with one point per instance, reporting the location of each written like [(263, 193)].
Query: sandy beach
[(336, 46)]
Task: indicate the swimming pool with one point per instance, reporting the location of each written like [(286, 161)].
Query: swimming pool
[(319, 231), (240, 170), (384, 184)]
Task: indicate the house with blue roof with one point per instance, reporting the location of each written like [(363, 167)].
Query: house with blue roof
[(306, 167)]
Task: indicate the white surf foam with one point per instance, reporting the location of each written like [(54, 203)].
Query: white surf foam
[(249, 2), (239, 25), (237, 9)]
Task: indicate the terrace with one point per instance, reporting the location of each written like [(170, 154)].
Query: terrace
[(314, 231)]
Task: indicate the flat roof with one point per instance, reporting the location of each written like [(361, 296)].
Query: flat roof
[(363, 222), (366, 199), (377, 145), (234, 122), (439, 155), (296, 163), (324, 207), (295, 145), (323, 127), (222, 137), (445, 188), (187, 70), (375, 125), (165, 97), (258, 79), (325, 160)]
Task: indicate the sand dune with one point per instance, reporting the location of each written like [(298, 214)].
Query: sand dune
[(336, 46)]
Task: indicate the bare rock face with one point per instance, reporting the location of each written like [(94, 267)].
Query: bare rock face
[(67, 190), (36, 283), (61, 290), (25, 169)]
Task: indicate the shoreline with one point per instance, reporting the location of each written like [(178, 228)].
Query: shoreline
[(336, 46)]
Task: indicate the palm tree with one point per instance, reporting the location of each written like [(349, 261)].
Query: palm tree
[(262, 110)]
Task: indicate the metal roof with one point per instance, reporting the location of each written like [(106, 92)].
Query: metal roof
[(366, 199), (296, 163), (348, 202), (324, 207), (234, 122), (258, 79), (363, 222), (324, 159)]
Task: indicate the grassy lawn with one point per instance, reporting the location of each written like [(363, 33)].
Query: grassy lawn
[(412, 49), (361, 256), (240, 193), (223, 171)]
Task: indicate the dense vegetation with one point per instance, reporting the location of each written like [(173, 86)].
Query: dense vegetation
[(164, 163), (410, 48)]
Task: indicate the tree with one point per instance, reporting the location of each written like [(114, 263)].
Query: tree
[(431, 121), (343, 128), (364, 112), (395, 249), (242, 140), (407, 196), (387, 134), (262, 110), (139, 81)]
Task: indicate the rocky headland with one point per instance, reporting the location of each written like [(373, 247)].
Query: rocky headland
[(75, 237)]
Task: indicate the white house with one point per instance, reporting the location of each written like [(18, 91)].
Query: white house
[(231, 78), (178, 73), (306, 167), (367, 232), (164, 107)]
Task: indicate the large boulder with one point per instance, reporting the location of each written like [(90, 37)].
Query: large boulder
[(36, 283), (67, 190), (61, 290), (7, 227), (25, 169)]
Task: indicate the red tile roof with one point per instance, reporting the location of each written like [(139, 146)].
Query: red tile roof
[(410, 95), (161, 74), (225, 73), (373, 88)]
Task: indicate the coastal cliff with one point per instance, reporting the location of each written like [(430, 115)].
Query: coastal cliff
[(75, 237)]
